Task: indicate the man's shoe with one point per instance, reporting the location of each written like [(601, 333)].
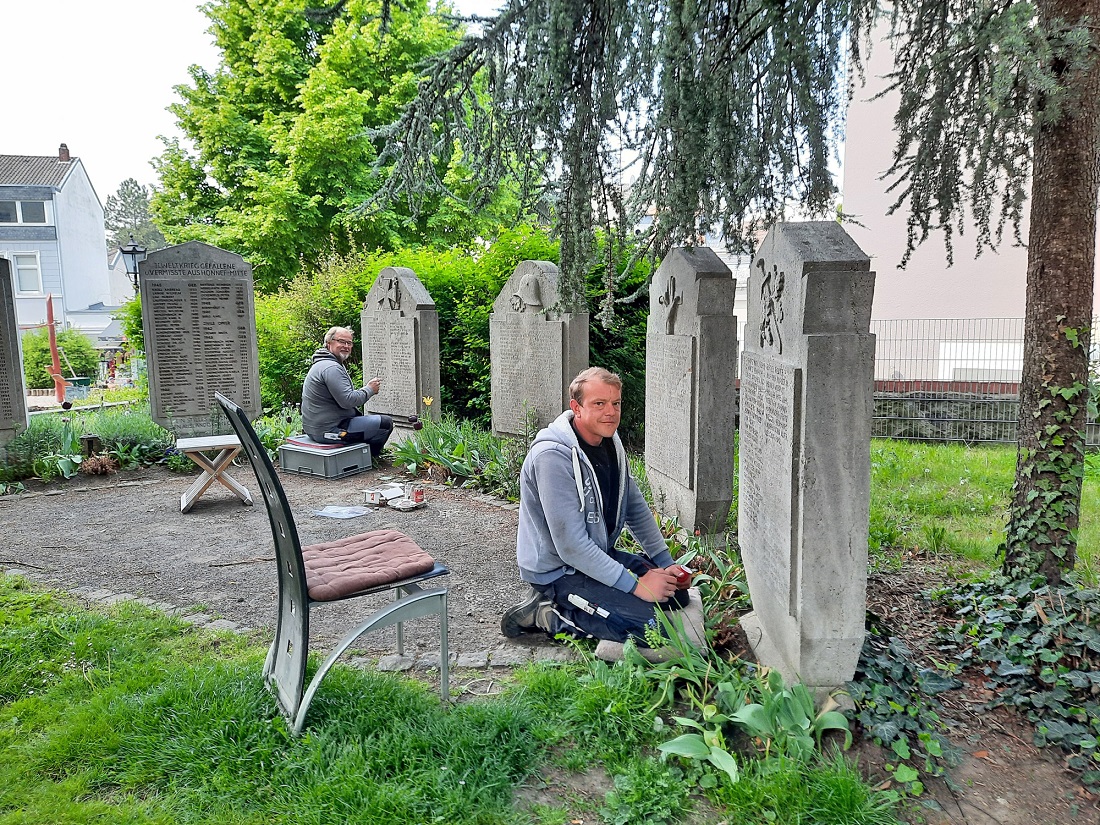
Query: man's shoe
[(530, 614)]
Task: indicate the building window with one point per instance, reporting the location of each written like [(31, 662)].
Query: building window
[(28, 275), (33, 211), (22, 212)]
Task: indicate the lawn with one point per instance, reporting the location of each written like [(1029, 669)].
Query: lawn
[(951, 498)]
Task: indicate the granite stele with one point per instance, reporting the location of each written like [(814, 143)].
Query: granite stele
[(807, 386), (13, 401), (536, 348), (199, 320), (401, 346), (691, 388)]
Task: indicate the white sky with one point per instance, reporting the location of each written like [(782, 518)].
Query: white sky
[(98, 76)]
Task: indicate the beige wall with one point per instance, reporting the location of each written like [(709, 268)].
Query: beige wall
[(991, 286)]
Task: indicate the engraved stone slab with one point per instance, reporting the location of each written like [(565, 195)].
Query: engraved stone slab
[(536, 348), (13, 401), (804, 493), (401, 345), (530, 354), (199, 319), (767, 503), (691, 374), (670, 399)]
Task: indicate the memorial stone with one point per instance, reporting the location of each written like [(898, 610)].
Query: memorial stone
[(807, 384), (198, 315), (13, 401), (536, 348), (691, 388), (401, 346)]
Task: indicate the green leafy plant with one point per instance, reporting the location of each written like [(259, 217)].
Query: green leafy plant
[(646, 791), (65, 462), (897, 709), (784, 719), (1038, 647)]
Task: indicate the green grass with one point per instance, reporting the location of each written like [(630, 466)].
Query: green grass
[(954, 498), (828, 791), (129, 716)]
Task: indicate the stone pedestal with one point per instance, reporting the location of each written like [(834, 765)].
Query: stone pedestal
[(536, 348), (807, 384), (691, 375), (199, 319)]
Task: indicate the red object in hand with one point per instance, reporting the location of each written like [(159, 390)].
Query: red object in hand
[(683, 575)]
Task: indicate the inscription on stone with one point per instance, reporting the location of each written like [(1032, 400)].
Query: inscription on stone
[(670, 394), (527, 369), (768, 446), (390, 347), (200, 336), (13, 405)]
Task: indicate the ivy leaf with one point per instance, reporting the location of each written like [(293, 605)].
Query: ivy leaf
[(933, 682), (905, 773)]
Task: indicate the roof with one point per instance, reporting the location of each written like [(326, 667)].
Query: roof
[(29, 170)]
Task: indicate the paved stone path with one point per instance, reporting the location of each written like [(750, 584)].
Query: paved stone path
[(122, 538)]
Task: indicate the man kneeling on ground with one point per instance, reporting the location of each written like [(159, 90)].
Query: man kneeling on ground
[(576, 495), (330, 402)]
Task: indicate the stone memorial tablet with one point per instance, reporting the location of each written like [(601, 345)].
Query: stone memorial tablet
[(691, 375), (804, 478), (536, 348), (13, 400), (199, 320), (401, 346)]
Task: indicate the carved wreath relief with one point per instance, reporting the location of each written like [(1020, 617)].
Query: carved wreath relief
[(771, 306)]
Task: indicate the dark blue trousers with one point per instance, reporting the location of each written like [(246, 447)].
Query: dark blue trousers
[(628, 615), (371, 429)]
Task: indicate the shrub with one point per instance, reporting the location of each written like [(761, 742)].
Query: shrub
[(37, 362)]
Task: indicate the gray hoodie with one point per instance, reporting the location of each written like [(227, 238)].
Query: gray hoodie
[(561, 527), (328, 396)]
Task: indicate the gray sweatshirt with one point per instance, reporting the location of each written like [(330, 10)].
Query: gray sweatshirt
[(561, 526), (328, 396)]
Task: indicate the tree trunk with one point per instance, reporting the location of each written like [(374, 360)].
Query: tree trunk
[(1042, 529)]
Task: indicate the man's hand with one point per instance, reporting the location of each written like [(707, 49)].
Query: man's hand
[(656, 585), (374, 384)]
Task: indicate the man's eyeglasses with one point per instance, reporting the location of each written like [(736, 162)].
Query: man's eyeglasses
[(346, 341)]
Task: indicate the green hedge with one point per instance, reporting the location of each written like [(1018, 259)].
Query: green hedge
[(38, 364), (290, 324)]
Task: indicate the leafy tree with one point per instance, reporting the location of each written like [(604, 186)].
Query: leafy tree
[(728, 114), (127, 214), (38, 363), (284, 134)]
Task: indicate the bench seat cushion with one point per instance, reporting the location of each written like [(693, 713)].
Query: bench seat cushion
[(337, 569)]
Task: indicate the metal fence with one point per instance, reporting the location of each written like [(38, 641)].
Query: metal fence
[(952, 379)]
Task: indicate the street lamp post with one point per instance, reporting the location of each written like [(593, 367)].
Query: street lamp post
[(132, 255)]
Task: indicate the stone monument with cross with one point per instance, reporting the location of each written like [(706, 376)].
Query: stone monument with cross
[(691, 388), (536, 348), (13, 401), (199, 320), (807, 384), (401, 346)]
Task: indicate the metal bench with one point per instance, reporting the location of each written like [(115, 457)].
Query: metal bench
[(373, 562)]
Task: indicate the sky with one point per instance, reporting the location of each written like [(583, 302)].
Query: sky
[(99, 76)]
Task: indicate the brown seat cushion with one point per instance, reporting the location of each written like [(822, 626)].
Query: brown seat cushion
[(335, 569)]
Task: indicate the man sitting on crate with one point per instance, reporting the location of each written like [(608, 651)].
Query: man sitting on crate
[(331, 404), (576, 496)]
